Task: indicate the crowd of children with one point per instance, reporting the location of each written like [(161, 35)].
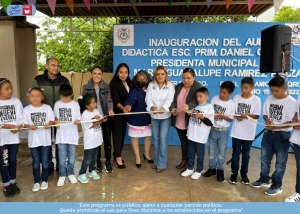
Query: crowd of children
[(207, 123)]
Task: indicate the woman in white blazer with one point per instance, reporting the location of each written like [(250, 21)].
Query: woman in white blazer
[(159, 96)]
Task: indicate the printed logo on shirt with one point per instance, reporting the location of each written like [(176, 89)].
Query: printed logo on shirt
[(97, 128), (243, 108), (8, 114), (38, 118), (275, 112), (195, 120), (219, 109), (65, 115)]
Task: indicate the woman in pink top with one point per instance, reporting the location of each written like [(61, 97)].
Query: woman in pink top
[(184, 99)]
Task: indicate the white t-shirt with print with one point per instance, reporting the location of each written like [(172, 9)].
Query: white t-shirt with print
[(11, 112), (245, 129), (280, 111), (92, 137), (38, 117), (160, 97), (197, 130), (295, 138), (67, 113), (223, 107)]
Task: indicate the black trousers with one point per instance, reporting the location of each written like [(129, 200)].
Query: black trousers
[(106, 131), (119, 131), (184, 143)]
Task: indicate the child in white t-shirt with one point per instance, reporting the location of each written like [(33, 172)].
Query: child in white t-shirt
[(92, 137), (10, 115), (218, 136), (198, 130), (279, 108), (66, 111), (39, 117), (243, 130), (295, 139)]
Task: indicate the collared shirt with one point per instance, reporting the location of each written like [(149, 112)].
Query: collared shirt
[(160, 97)]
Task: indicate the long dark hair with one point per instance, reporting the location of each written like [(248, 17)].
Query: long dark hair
[(85, 101), (116, 77), (143, 73)]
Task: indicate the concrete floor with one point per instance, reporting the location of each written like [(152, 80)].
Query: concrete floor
[(146, 185)]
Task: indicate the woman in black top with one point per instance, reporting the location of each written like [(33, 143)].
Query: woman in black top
[(120, 86)]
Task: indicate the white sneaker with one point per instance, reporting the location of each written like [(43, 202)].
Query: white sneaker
[(196, 175), (187, 173), (44, 185), (61, 181), (36, 187), (72, 179), (293, 198)]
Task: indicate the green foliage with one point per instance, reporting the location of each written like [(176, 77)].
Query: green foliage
[(77, 50), (287, 14)]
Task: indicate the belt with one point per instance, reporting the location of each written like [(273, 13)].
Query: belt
[(219, 129), (273, 132)]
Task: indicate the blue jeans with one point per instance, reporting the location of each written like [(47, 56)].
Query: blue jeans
[(66, 151), (8, 163), (40, 155), (297, 156), (89, 160), (217, 148), (199, 149), (274, 143), (160, 130), (240, 146)]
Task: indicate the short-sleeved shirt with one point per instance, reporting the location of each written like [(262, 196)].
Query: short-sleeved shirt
[(67, 113), (197, 130), (222, 107), (38, 117), (92, 137), (245, 129), (280, 111), (295, 138)]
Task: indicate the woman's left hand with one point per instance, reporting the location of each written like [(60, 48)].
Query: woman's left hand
[(127, 109), (185, 108), (111, 112)]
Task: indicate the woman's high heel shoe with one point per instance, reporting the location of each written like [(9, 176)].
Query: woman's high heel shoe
[(138, 165), (120, 166), (149, 161)]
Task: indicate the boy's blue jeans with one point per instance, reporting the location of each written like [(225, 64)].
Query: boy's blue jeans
[(274, 142), (160, 130), (199, 149), (8, 163), (66, 151), (297, 156), (40, 155), (217, 148), (240, 146)]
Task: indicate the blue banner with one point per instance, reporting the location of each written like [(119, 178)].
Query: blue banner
[(198, 207), (217, 51)]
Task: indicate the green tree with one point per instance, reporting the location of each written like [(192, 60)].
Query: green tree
[(287, 14)]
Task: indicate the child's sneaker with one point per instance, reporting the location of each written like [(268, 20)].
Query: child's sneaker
[(259, 183), (245, 179), (187, 173), (210, 172), (36, 187), (15, 188), (108, 167), (273, 190), (99, 167), (196, 175), (61, 181), (233, 178), (44, 185), (293, 198), (83, 179), (8, 191), (94, 175), (72, 179)]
